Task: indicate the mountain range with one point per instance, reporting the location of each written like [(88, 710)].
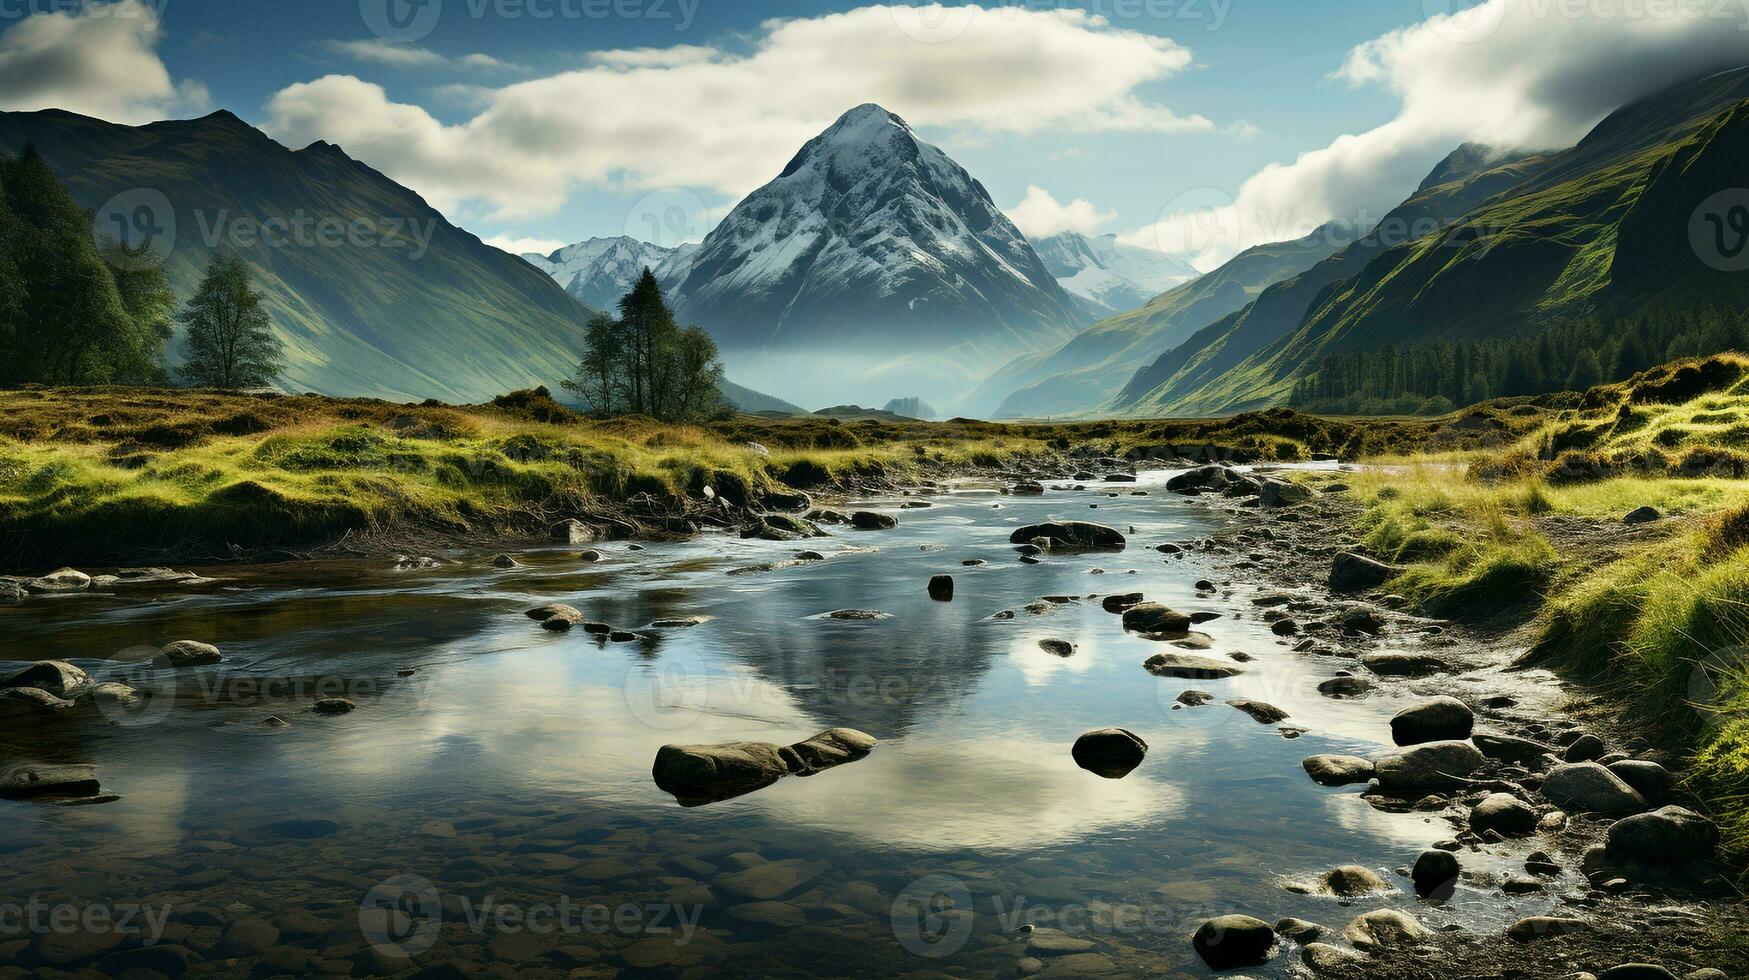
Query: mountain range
[(601, 270)]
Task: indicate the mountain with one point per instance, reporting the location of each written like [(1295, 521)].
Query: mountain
[(1084, 373), (1607, 226), (873, 264), (753, 402), (1116, 276), (601, 270), (912, 408), (376, 294)]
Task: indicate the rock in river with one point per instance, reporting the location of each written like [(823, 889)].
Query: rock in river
[(1350, 881), (864, 520), (1337, 770), (1435, 874), (60, 580), (1109, 752), (941, 588), (1671, 835), (1504, 814), (1589, 787), (1651, 779), (29, 701), (1434, 720), (1385, 929), (1423, 768), (1074, 534), (1540, 926), (1191, 666), (1202, 478), (1152, 617), (190, 653), (57, 677), (699, 774), (1263, 714), (1350, 572), (1398, 664), (1230, 941), (27, 781)]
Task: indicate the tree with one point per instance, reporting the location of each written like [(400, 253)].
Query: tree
[(230, 338), (643, 363)]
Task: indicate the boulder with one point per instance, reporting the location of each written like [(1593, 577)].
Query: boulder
[(1345, 687), (57, 677), (1586, 787), (1428, 767), (1119, 603), (1109, 752), (1385, 929), (1669, 835), (1504, 814), (29, 702), (1190, 666), (1350, 572), (1057, 648), (1073, 534), (1434, 720), (1337, 770), (1435, 874), (333, 707), (1231, 941), (1510, 748), (1537, 927), (23, 781), (1324, 958), (1642, 515), (864, 520), (190, 653), (505, 562), (1281, 493), (699, 774), (1263, 714), (941, 588), (832, 747), (541, 614), (1586, 748), (1350, 881), (1299, 930), (1202, 478), (1152, 617), (1653, 781), (58, 581)]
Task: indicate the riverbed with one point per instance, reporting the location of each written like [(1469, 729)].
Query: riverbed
[(489, 801)]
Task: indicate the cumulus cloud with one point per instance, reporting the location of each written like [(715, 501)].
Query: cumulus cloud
[(1514, 74), (702, 117), (1041, 215), (520, 246), (393, 55), (99, 61)]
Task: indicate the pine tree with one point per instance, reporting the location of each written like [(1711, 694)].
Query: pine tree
[(230, 339)]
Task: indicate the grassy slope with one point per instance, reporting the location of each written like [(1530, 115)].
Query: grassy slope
[(1547, 248), (1086, 371), (111, 476), (1536, 522), (461, 322), (1207, 374)]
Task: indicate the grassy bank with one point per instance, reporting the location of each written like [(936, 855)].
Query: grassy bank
[(116, 475), (1533, 528)]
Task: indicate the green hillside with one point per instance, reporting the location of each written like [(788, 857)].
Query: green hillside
[(1602, 227), (1184, 380), (1083, 373), (368, 314)]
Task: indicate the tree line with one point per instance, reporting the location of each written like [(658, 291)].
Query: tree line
[(1441, 376), (76, 309), (642, 362)]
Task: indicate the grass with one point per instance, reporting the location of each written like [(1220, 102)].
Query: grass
[(1660, 618)]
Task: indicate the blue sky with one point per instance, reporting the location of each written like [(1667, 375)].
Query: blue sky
[(1194, 126)]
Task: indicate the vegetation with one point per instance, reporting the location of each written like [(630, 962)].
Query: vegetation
[(1436, 377), (230, 338), (644, 363), (68, 316)]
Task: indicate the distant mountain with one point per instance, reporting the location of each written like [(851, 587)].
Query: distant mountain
[(912, 408), (372, 309), (601, 270), (753, 402), (1116, 276), (1083, 374), (873, 263), (1607, 226)]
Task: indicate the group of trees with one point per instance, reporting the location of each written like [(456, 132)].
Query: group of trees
[(77, 310), (1440, 376), (643, 362)]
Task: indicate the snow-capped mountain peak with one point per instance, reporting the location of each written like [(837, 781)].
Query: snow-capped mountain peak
[(599, 271), (1119, 277)]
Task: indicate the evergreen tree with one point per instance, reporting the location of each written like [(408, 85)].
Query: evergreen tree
[(230, 338), (644, 363)]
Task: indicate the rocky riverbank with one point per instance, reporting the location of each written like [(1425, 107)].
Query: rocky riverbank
[(1522, 766)]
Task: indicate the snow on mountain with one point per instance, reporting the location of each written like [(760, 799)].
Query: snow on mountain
[(880, 254), (601, 270), (1119, 277)]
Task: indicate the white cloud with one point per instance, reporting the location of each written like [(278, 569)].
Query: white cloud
[(1516, 74), (379, 52), (99, 61), (704, 118), (517, 246), (1041, 215)]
